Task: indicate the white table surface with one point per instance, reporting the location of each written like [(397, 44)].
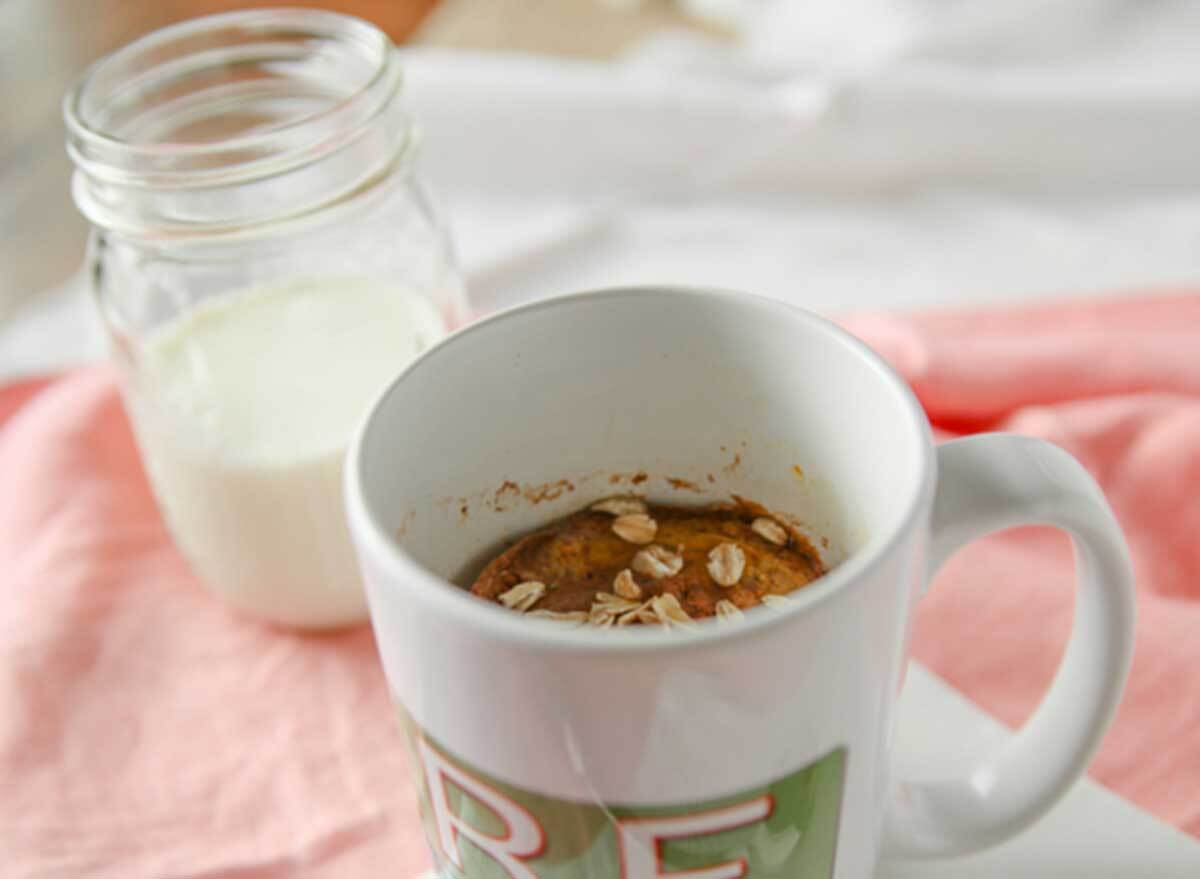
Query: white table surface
[(1091, 834)]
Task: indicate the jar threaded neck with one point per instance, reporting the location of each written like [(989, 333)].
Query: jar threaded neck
[(228, 122)]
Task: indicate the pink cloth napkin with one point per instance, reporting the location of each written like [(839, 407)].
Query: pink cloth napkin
[(148, 733)]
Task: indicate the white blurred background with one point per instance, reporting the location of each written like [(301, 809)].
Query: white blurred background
[(842, 155)]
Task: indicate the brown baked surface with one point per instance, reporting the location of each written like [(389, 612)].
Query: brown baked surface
[(579, 556)]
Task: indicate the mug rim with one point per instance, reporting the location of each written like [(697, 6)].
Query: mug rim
[(373, 539)]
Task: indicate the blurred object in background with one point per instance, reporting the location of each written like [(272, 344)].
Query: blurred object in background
[(1126, 39), (578, 28)]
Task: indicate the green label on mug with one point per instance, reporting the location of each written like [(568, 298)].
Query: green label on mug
[(482, 828)]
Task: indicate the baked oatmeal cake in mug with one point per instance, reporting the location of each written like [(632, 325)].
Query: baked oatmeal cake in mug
[(623, 561)]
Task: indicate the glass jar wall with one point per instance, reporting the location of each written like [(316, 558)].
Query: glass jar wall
[(265, 260)]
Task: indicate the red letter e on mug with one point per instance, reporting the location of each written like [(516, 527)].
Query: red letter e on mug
[(639, 840)]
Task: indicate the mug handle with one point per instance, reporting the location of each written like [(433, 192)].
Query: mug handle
[(986, 483)]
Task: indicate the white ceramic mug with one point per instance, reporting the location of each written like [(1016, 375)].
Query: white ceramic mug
[(757, 748)]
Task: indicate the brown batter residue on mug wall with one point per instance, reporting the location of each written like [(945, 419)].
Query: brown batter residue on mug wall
[(623, 561), (509, 493)]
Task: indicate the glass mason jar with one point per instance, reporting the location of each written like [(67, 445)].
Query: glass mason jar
[(265, 261)]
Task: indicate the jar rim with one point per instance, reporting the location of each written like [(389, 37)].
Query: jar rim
[(311, 81), (102, 154)]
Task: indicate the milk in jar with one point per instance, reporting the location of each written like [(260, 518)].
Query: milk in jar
[(244, 408)]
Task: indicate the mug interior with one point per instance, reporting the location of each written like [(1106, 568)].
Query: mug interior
[(682, 396)]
